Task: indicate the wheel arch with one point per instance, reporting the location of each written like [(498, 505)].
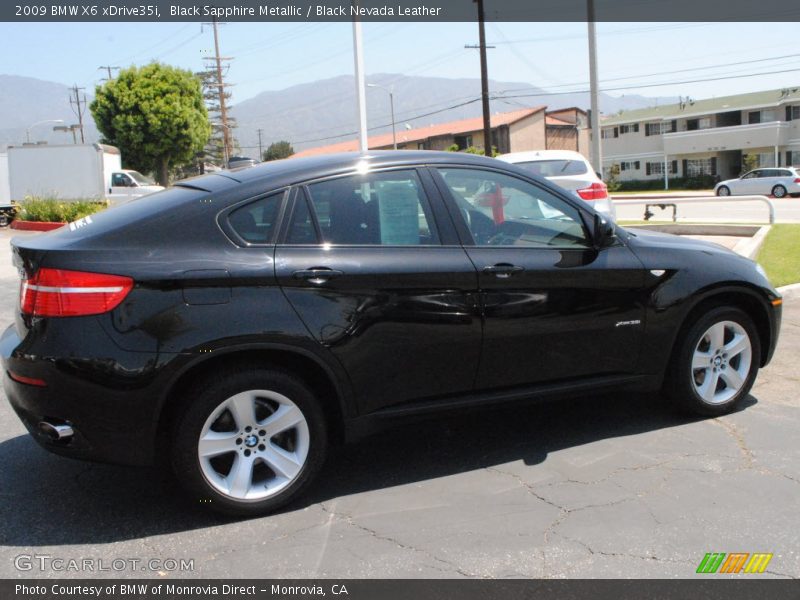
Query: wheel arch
[(740, 296), (300, 362)]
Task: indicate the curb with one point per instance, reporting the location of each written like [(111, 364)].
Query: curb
[(749, 247), (34, 225), (789, 291)]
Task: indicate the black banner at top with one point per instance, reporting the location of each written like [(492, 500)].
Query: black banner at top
[(397, 10)]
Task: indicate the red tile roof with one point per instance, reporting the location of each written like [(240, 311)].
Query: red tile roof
[(405, 136)]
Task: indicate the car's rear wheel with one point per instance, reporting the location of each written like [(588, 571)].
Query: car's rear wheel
[(779, 191), (723, 190), (715, 362), (248, 441)]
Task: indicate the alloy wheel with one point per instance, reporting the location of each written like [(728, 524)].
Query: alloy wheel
[(253, 445), (721, 362)]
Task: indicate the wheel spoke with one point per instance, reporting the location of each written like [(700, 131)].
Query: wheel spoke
[(282, 462), (732, 378), (716, 336), (737, 345), (215, 443), (701, 360), (240, 477), (242, 408), (282, 419), (709, 387)]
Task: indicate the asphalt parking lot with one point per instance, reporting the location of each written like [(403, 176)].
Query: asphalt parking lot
[(603, 486)]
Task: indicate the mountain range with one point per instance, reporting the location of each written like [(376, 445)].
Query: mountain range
[(309, 114)]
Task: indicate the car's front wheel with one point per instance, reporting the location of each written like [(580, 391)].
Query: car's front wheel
[(248, 441), (723, 190), (715, 362)]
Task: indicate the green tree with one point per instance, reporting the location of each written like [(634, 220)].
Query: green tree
[(278, 150), (155, 115), (749, 162)]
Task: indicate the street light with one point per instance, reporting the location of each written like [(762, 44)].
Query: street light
[(68, 128), (391, 106), (28, 130)]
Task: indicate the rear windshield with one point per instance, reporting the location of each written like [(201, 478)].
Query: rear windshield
[(554, 168)]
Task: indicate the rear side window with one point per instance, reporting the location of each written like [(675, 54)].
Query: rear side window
[(255, 222), (382, 209), (554, 168)]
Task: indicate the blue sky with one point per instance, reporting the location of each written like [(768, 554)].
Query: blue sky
[(270, 56)]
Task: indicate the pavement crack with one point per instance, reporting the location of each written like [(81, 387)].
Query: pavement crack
[(350, 520), (738, 437)]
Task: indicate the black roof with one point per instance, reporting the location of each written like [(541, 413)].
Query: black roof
[(308, 167)]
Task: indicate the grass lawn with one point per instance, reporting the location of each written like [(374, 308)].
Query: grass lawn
[(780, 254)]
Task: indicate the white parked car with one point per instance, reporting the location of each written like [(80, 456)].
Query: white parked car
[(568, 169), (776, 182)]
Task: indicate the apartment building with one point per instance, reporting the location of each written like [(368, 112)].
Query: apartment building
[(704, 137)]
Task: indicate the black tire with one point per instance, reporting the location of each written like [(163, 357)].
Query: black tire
[(779, 191), (204, 398), (681, 384), (723, 190)]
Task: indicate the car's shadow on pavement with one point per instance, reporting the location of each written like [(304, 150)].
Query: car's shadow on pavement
[(49, 500)]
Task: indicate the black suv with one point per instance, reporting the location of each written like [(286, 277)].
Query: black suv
[(241, 322)]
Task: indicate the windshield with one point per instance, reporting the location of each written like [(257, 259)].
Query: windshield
[(554, 168), (140, 179)]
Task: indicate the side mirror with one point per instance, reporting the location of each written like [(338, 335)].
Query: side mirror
[(602, 232)]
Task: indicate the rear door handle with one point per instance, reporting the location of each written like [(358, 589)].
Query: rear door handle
[(317, 274), (503, 270)]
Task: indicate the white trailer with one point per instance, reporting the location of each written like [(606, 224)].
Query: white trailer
[(5, 190), (73, 172)]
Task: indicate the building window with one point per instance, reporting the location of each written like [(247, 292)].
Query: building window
[(465, 141), (632, 165), (754, 116), (658, 128), (629, 128), (610, 132), (766, 159), (699, 166), (654, 168), (792, 113), (703, 123), (420, 145)]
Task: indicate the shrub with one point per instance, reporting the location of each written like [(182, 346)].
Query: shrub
[(698, 182), (52, 210)]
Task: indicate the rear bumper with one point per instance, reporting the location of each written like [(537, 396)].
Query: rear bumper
[(111, 423)]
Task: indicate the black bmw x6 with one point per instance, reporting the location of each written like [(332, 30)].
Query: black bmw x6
[(240, 323)]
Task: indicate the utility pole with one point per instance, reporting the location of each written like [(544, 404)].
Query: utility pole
[(78, 105), (220, 85), (597, 157), (260, 151), (108, 69), (487, 126)]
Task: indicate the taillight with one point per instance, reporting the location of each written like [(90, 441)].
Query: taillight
[(61, 293), (596, 191), (797, 179)]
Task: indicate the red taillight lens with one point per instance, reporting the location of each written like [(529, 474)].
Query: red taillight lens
[(60, 293), (596, 191), (797, 179)]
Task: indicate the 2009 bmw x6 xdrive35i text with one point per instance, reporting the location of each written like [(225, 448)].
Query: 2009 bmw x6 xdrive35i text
[(241, 322)]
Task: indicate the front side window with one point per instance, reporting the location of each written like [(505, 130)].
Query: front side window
[(501, 210), (384, 209)]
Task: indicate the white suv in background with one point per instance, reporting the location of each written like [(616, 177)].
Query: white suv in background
[(776, 182), (568, 169)]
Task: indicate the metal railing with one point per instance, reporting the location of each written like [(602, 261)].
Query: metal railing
[(663, 200)]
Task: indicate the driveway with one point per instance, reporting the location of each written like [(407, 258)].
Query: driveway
[(604, 486)]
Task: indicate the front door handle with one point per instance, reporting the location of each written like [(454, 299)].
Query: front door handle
[(503, 270), (317, 274)]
